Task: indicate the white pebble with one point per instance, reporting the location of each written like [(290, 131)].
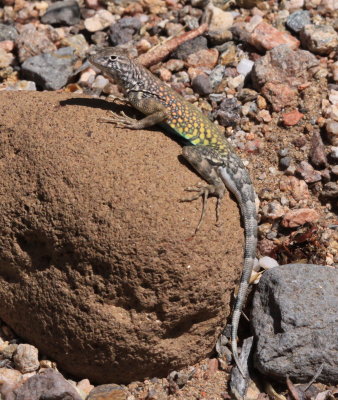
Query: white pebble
[(267, 262), (245, 66)]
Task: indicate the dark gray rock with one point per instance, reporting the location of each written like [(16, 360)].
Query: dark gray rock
[(285, 162), (48, 385), (201, 84), (190, 47), (65, 12), (7, 32), (123, 31), (297, 20), (229, 112), (295, 322), (50, 71)]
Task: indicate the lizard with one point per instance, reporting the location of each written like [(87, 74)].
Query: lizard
[(209, 152)]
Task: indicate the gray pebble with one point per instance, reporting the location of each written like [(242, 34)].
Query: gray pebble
[(65, 12), (7, 32), (297, 20), (50, 71), (284, 162), (201, 84)]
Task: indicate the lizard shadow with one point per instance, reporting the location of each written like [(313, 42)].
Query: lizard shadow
[(93, 103)]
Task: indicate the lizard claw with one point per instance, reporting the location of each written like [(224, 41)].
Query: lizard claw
[(120, 120)]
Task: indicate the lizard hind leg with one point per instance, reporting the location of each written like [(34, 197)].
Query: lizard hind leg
[(203, 160)]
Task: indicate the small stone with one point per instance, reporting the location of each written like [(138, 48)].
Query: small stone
[(334, 68), (190, 47), (308, 173), (236, 82), (51, 70), (261, 102), (22, 85), (283, 152), (267, 262), (7, 45), (201, 85), (332, 132), (219, 22), (109, 391), (299, 217), (273, 210), (266, 37), (297, 20), (297, 188), (284, 163), (7, 32), (330, 191), (84, 387), (203, 58), (334, 170), (228, 54), (6, 59), (279, 95), (101, 20), (123, 30), (78, 43), (100, 82), (65, 12), (317, 151), (48, 385), (334, 153), (9, 350), (245, 66), (264, 115), (228, 113), (320, 39), (26, 358), (32, 42), (292, 118)]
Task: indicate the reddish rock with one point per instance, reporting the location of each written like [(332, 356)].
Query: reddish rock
[(93, 243), (10, 379), (266, 37), (295, 187), (317, 152), (308, 173), (292, 118), (301, 216), (7, 45), (279, 95), (203, 58)]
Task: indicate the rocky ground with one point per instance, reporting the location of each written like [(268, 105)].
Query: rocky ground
[(266, 71)]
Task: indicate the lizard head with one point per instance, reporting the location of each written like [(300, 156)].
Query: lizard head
[(114, 63)]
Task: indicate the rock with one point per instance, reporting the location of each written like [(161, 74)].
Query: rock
[(6, 59), (84, 387), (22, 85), (108, 392), (101, 20), (297, 188), (49, 385), (32, 42), (280, 72), (123, 31), (245, 66), (7, 45), (26, 358), (190, 47), (299, 217), (334, 67), (267, 263), (317, 151), (50, 71), (219, 22), (201, 84), (292, 118), (10, 379), (296, 330), (330, 191), (65, 12), (297, 20), (78, 43), (319, 39), (334, 153), (279, 95), (285, 163), (203, 58), (332, 132), (91, 243), (284, 66), (229, 112), (7, 32), (266, 37), (308, 173)]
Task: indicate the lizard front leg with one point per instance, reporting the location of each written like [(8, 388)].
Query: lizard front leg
[(155, 111)]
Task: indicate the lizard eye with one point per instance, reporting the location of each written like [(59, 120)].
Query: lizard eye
[(112, 58)]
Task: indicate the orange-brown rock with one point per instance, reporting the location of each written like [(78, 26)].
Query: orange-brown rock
[(98, 268)]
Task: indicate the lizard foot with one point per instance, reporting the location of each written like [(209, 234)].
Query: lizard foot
[(120, 120), (204, 192)]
